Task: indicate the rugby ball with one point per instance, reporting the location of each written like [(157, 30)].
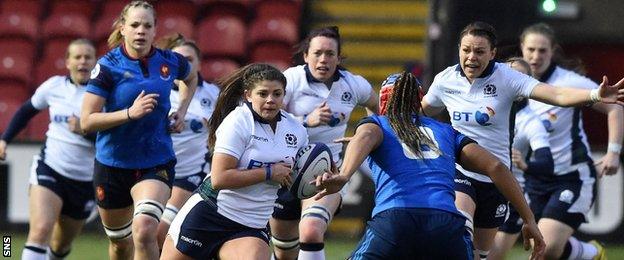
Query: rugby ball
[(311, 161)]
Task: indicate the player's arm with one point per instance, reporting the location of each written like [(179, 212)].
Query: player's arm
[(609, 164), (92, 118), (368, 136), (372, 104), (429, 110), (566, 97), (21, 118), (224, 173)]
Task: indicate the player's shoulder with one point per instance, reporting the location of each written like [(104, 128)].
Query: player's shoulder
[(352, 77), (53, 82), (571, 78), (292, 121), (449, 72), (296, 71)]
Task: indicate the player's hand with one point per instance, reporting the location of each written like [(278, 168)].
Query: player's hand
[(611, 93), (143, 105), (608, 164), (176, 122), (3, 146), (73, 123), (320, 116), (280, 173), (518, 160), (531, 232), (329, 183)]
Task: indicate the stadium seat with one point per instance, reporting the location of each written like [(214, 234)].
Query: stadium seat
[(102, 48), (8, 107), (38, 126), (103, 27), (222, 36), (167, 25), (289, 9), (238, 8), (29, 7), (84, 7), (49, 66), (213, 69), (19, 46), (15, 66), (273, 30), (276, 54), (18, 25), (14, 90), (185, 8), (66, 25)]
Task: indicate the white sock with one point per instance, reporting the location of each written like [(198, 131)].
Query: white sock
[(311, 255), (581, 250), (55, 256), (483, 254), (34, 251)]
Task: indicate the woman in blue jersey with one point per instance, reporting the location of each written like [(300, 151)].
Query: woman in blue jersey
[(322, 95), (530, 140), (478, 94), (254, 143), (191, 145), (60, 194), (413, 163), (127, 103), (562, 200)]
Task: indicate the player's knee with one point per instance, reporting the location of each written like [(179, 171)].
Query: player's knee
[(169, 214), (144, 230), (285, 244), (40, 232), (314, 221), (553, 250), (118, 233), (121, 246)]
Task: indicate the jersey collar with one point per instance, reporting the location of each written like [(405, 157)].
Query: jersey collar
[(548, 72), (258, 118), (487, 72), (311, 78), (125, 52)]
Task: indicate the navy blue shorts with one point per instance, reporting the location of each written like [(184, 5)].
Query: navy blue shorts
[(287, 207), (112, 185), (513, 224), (491, 204), (199, 230), (410, 233), (566, 198), (77, 196), (191, 182)]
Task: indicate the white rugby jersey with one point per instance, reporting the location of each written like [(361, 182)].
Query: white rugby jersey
[(481, 110), (243, 136), (304, 94), (568, 142), (530, 134), (68, 153), (191, 145)]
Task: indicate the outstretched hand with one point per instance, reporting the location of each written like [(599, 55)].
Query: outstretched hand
[(531, 232), (611, 93)]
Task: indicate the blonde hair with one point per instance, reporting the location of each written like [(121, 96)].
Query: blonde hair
[(115, 38)]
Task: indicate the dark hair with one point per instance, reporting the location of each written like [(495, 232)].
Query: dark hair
[(558, 57), (177, 40), (303, 47), (79, 41), (115, 37), (522, 62), (233, 87), (481, 29), (402, 112)]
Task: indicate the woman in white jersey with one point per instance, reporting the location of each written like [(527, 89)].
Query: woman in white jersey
[(61, 195), (562, 200), (478, 94), (530, 154), (254, 144), (322, 95), (191, 145)]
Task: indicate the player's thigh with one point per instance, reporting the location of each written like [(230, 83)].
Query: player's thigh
[(179, 196), (465, 203), (503, 242), (115, 218), (170, 252), (284, 229), (151, 189), (44, 208), (555, 232), (65, 231), (245, 248)]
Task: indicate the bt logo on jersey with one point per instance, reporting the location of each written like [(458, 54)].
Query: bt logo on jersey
[(481, 116)]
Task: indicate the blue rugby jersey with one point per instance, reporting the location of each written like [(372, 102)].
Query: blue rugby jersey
[(119, 79), (403, 180)]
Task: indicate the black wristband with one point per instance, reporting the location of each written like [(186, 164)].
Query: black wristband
[(128, 114)]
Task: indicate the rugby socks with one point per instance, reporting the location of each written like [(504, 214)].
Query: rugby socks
[(57, 256), (579, 250), (34, 251), (311, 251), (483, 254)]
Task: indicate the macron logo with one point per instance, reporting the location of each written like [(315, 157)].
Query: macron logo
[(191, 241)]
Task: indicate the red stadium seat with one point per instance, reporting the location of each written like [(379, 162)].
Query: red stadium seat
[(84, 7), (289, 9), (222, 36), (103, 27), (102, 48), (112, 7), (38, 126), (238, 8), (213, 69), (48, 67), (167, 25), (8, 107), (273, 30), (185, 8), (14, 90), (15, 66), (29, 7), (276, 54), (66, 25), (19, 25), (18, 46)]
